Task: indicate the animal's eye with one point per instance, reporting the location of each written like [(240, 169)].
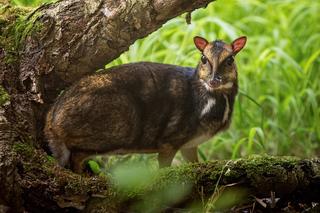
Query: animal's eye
[(230, 60), (204, 59)]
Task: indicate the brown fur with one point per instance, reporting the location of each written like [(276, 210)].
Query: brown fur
[(141, 108)]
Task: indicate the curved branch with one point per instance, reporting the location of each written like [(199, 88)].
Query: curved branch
[(77, 37)]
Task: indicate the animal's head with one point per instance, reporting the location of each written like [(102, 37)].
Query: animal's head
[(217, 69)]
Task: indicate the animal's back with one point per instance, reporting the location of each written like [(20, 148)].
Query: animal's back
[(130, 108)]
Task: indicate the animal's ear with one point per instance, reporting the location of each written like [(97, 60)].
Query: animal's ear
[(200, 42), (238, 44)]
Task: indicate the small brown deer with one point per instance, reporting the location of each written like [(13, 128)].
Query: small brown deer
[(146, 108)]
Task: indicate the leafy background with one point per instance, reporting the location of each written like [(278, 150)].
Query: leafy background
[(277, 111)]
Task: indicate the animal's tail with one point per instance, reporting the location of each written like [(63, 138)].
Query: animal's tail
[(58, 148)]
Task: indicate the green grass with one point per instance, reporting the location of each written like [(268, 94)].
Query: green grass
[(278, 108)]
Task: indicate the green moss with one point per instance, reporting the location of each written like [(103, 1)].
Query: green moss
[(83, 185), (256, 164), (16, 23), (216, 173), (32, 158), (210, 176), (4, 97), (50, 159), (25, 26), (35, 161), (24, 149)]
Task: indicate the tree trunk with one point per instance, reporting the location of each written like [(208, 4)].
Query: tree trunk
[(44, 51)]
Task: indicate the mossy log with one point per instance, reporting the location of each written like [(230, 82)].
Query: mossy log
[(45, 186)]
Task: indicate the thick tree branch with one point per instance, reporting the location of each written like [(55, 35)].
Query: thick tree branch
[(47, 187), (77, 37)]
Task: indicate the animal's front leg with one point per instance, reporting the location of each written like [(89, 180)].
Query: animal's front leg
[(165, 157), (77, 161), (190, 154)]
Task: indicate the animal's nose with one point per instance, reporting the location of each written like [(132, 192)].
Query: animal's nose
[(213, 82), (216, 81)]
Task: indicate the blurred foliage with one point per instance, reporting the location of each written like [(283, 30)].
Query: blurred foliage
[(139, 174), (134, 178), (225, 198)]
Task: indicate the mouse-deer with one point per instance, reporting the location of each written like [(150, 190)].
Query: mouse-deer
[(146, 108)]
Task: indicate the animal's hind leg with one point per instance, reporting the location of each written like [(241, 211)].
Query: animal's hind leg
[(60, 152), (190, 154), (77, 160)]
